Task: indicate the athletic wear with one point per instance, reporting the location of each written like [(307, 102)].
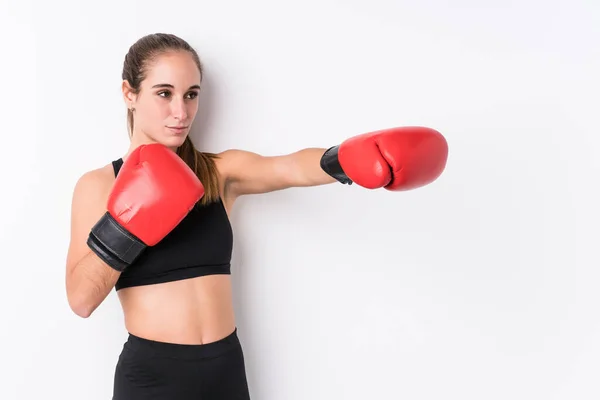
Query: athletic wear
[(154, 192), (151, 370), (201, 244)]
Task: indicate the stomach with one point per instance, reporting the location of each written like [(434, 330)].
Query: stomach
[(191, 311)]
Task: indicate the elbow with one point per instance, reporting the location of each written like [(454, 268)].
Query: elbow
[(82, 312), (80, 306)]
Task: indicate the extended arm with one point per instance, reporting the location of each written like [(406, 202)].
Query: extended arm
[(396, 159), (250, 173)]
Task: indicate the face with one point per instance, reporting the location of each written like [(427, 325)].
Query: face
[(167, 103)]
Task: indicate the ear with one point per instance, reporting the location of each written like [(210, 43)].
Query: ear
[(129, 95)]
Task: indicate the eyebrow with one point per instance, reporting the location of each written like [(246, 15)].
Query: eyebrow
[(167, 85)]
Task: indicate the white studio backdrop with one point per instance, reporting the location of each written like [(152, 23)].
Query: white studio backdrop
[(483, 285)]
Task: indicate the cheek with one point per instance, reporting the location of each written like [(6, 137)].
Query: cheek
[(160, 107), (152, 114), (192, 109), (156, 110)]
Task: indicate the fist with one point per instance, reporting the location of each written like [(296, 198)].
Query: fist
[(153, 192), (396, 159)]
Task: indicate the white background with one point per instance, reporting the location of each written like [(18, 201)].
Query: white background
[(483, 285)]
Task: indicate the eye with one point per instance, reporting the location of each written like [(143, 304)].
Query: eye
[(164, 93), (192, 95)]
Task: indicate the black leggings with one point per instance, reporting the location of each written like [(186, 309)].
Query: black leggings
[(155, 370)]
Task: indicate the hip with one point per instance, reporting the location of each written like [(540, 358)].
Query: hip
[(149, 369)]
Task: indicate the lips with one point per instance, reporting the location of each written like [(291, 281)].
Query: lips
[(177, 129)]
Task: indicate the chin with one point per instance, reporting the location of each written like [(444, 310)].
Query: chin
[(173, 141)]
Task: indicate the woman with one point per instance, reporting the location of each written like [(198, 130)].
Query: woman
[(154, 224)]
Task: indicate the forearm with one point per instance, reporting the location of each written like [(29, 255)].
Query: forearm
[(307, 167), (89, 283)]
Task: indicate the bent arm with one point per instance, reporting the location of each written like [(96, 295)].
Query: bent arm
[(88, 279), (251, 173), (88, 283)]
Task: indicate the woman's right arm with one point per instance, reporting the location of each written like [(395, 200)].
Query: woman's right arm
[(89, 280)]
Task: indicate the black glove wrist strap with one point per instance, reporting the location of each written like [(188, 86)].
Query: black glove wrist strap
[(331, 165)]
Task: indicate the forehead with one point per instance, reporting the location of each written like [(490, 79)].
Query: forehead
[(175, 68)]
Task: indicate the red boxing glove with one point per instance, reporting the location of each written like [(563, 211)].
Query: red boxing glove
[(396, 159), (153, 192)]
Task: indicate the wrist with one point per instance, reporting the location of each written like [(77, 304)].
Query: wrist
[(331, 165), (114, 244)]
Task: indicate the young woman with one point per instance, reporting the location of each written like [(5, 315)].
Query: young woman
[(154, 224)]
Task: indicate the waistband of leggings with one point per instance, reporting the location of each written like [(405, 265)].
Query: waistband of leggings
[(187, 351)]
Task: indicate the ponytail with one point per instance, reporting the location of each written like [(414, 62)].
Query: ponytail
[(130, 121), (203, 165)]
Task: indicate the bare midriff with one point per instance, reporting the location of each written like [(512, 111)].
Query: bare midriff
[(191, 311)]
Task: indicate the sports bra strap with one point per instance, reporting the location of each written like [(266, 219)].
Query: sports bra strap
[(117, 164)]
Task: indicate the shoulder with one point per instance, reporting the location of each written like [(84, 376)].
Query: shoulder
[(93, 184), (230, 162), (229, 156), (232, 165)]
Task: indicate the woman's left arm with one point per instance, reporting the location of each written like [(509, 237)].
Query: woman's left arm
[(250, 173), (396, 159)]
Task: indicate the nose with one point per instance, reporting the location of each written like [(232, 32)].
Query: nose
[(179, 110)]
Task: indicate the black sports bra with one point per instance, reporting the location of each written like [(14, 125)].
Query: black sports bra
[(200, 245)]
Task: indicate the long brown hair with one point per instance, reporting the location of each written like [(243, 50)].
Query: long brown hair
[(140, 54)]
